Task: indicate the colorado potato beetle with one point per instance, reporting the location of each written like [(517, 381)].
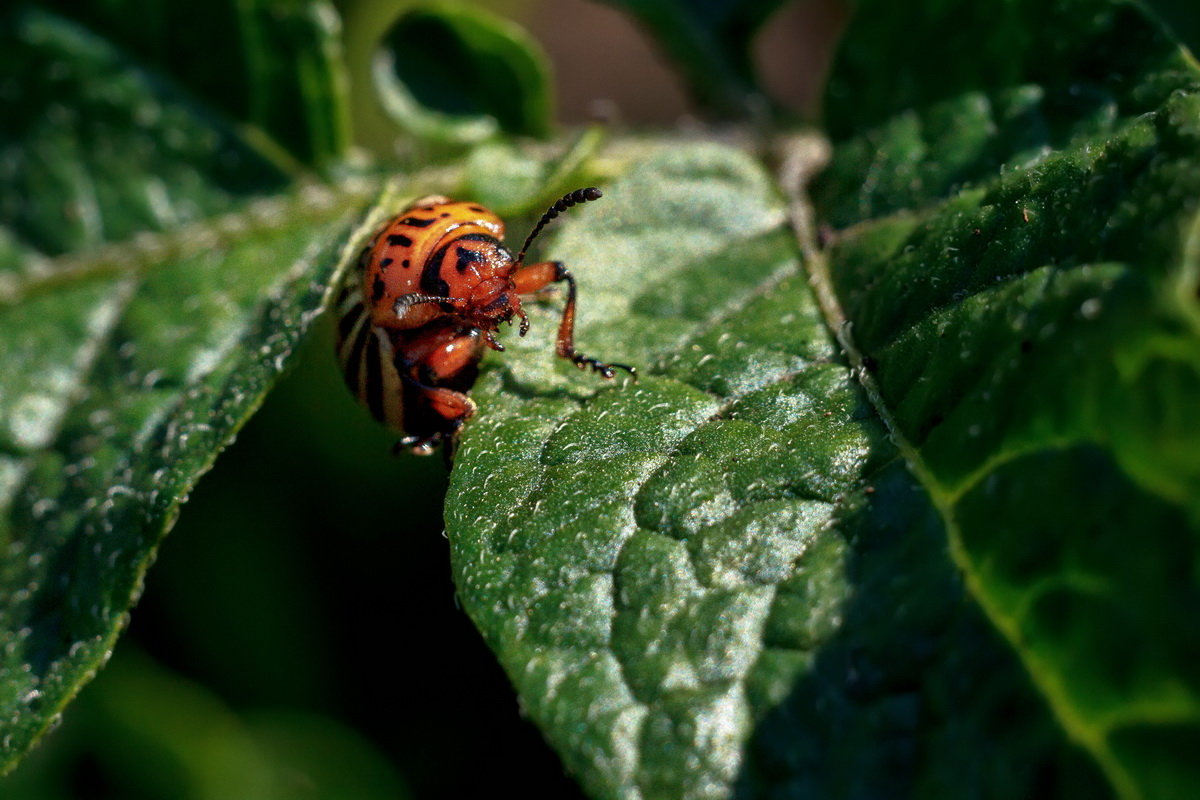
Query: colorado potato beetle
[(427, 295)]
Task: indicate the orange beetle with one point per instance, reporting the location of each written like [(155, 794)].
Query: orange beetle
[(430, 290)]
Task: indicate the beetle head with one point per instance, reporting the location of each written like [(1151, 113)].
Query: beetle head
[(493, 301)]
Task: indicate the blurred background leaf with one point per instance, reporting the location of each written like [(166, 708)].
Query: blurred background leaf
[(146, 732), (448, 74), (711, 42), (273, 64), (1183, 18)]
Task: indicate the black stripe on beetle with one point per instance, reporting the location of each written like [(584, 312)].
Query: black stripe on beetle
[(467, 257), (431, 279), (349, 320), (374, 385), (417, 222), (354, 362)]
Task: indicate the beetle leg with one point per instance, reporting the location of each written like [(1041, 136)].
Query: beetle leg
[(452, 408), (456, 407), (445, 356), (437, 360), (417, 445), (534, 277)]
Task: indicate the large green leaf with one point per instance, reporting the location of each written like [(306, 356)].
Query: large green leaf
[(452, 75), (127, 366), (742, 575), (275, 64), (722, 576), (1035, 341)]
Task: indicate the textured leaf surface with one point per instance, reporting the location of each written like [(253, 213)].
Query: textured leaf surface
[(126, 366), (726, 579), (722, 577), (1035, 338)]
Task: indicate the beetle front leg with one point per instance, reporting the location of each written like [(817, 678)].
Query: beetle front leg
[(535, 277), (439, 364)]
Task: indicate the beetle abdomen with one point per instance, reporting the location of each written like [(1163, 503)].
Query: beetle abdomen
[(368, 362)]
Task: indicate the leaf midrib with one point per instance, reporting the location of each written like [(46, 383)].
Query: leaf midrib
[(802, 212), (149, 249)]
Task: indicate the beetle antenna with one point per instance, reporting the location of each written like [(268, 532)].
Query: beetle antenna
[(562, 204)]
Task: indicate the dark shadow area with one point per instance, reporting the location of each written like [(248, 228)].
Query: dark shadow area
[(309, 573)]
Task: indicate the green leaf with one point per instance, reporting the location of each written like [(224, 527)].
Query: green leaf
[(746, 575), (127, 366), (1029, 308), (275, 64), (711, 42), (887, 66), (451, 74), (722, 577)]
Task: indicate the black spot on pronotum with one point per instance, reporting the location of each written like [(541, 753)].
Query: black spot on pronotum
[(466, 258), (405, 263), (431, 279), (399, 240), (417, 222), (377, 290), (477, 209), (386, 262)]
